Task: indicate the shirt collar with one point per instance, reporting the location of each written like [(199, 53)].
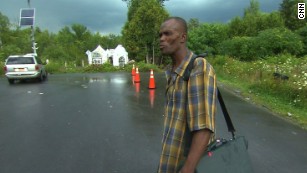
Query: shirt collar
[(181, 68)]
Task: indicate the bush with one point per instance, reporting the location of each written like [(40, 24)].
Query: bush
[(2, 70), (7, 50), (278, 41), (62, 67), (142, 66), (241, 48), (303, 33), (207, 37), (55, 67), (94, 68), (270, 42)]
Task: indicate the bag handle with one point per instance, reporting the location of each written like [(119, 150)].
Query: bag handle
[(186, 77)]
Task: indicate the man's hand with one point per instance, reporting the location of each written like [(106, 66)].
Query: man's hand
[(200, 141)]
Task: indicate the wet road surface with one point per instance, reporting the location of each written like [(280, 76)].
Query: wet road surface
[(103, 123)]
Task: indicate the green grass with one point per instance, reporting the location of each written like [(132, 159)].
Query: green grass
[(276, 105), (285, 98)]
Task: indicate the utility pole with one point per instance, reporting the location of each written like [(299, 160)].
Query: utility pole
[(32, 34)]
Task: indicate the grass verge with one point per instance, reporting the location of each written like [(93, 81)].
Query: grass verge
[(278, 106)]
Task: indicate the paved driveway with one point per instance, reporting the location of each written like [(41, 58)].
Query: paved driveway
[(94, 123)]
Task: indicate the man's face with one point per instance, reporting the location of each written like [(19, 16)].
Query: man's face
[(172, 37)]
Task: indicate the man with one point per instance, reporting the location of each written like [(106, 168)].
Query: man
[(190, 106)]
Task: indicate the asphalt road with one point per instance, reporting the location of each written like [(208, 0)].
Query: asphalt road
[(103, 123)]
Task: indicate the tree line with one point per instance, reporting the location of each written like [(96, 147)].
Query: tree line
[(69, 44), (254, 35)]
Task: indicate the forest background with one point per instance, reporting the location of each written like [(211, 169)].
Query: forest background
[(262, 55)]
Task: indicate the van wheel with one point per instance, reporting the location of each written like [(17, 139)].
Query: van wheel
[(46, 76), (11, 81), (41, 77)]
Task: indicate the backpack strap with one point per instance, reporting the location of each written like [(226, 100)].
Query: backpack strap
[(187, 72), (186, 76)]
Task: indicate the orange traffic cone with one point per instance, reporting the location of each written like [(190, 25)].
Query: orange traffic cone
[(152, 84), (137, 76), (133, 71)]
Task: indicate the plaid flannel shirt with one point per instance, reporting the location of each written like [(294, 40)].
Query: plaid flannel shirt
[(193, 103)]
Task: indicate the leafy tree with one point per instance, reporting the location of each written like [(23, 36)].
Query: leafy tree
[(44, 39), (133, 5), (4, 35), (94, 40), (130, 41), (140, 32), (277, 41), (236, 27), (80, 32), (22, 39), (80, 35), (273, 20), (288, 10), (253, 8), (269, 42), (9, 49), (207, 37), (242, 48), (193, 23), (56, 52), (13, 40), (131, 1), (18, 42), (65, 37), (4, 29), (111, 41), (303, 33), (254, 21), (73, 41)]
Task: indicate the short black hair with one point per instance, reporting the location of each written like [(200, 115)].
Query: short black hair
[(180, 20)]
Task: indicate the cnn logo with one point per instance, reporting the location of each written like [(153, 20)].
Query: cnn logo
[(301, 10)]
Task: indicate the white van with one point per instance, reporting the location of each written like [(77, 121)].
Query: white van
[(21, 67)]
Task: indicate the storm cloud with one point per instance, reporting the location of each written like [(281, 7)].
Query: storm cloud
[(109, 16)]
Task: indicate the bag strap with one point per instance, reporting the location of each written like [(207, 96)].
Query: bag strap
[(186, 77), (229, 123)]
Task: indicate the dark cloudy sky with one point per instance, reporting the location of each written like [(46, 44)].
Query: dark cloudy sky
[(109, 16)]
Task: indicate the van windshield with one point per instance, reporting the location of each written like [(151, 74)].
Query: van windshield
[(20, 60)]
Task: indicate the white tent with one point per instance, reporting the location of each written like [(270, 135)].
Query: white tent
[(97, 56), (117, 56)]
